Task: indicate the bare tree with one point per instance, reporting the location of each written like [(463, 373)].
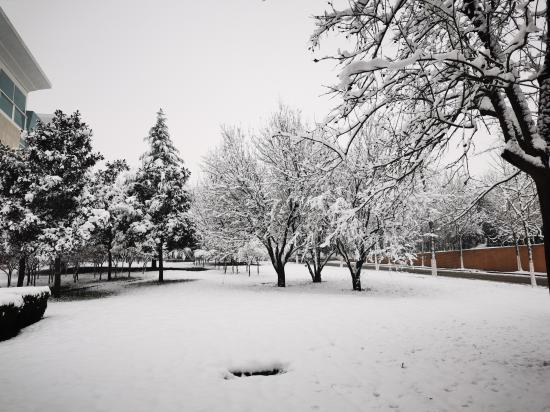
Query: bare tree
[(435, 71)]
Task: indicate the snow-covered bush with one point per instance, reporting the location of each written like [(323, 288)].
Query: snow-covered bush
[(20, 307)]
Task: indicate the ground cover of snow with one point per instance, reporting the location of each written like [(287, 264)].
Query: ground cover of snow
[(409, 343)]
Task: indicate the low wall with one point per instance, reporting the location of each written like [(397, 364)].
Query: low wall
[(500, 259)]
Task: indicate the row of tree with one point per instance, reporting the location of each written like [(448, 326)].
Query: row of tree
[(279, 195), (57, 207), (416, 78), (429, 75), (290, 196)]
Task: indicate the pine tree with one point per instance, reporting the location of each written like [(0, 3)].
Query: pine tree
[(159, 186)]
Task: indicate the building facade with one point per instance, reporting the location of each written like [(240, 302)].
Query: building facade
[(20, 74)]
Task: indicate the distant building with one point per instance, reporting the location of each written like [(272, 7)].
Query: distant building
[(33, 118), (20, 74)]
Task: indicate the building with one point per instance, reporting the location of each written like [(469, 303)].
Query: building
[(20, 74)]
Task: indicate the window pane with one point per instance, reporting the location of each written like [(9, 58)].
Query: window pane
[(6, 84), (19, 99), (6, 105), (19, 118)]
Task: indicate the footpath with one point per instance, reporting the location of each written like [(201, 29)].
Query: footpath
[(507, 277)]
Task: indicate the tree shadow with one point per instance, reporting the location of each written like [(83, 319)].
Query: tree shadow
[(150, 283), (87, 293)]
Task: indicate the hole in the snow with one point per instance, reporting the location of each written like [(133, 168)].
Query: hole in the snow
[(269, 372), (254, 369)]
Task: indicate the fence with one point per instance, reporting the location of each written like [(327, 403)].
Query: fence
[(501, 259)]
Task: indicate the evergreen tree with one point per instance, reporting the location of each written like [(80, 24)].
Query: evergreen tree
[(59, 157), (19, 225), (160, 188)]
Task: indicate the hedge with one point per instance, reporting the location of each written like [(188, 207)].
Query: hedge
[(20, 307)]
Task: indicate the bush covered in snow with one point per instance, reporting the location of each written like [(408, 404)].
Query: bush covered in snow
[(20, 307)]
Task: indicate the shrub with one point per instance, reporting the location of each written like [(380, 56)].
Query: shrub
[(8, 321), (20, 307)]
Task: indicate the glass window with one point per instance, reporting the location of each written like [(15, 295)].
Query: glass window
[(6, 105), (6, 85), (19, 118), (19, 99)]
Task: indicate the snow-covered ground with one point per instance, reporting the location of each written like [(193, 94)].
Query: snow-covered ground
[(409, 343)]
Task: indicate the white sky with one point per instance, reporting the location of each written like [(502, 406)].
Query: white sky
[(206, 63)]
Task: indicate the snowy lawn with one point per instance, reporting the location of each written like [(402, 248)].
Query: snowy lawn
[(409, 343)]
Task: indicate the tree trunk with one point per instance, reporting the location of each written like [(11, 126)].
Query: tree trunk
[(318, 264), (356, 276), (281, 278), (422, 255), (354, 270), (518, 256), (109, 265), (77, 268), (432, 246), (461, 252), (161, 263), (356, 282), (317, 276), (153, 264), (21, 272), (530, 259), (57, 277), (543, 189), (314, 268), (29, 273)]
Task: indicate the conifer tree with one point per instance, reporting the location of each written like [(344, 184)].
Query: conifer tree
[(59, 157), (18, 224), (160, 188)]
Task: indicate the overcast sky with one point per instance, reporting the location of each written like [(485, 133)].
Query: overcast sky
[(206, 63)]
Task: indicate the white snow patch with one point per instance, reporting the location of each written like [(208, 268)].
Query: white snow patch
[(15, 295), (411, 342)]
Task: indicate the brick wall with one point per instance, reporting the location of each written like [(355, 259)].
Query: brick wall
[(502, 259)]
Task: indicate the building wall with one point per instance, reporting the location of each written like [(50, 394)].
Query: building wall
[(501, 259), (10, 134)]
